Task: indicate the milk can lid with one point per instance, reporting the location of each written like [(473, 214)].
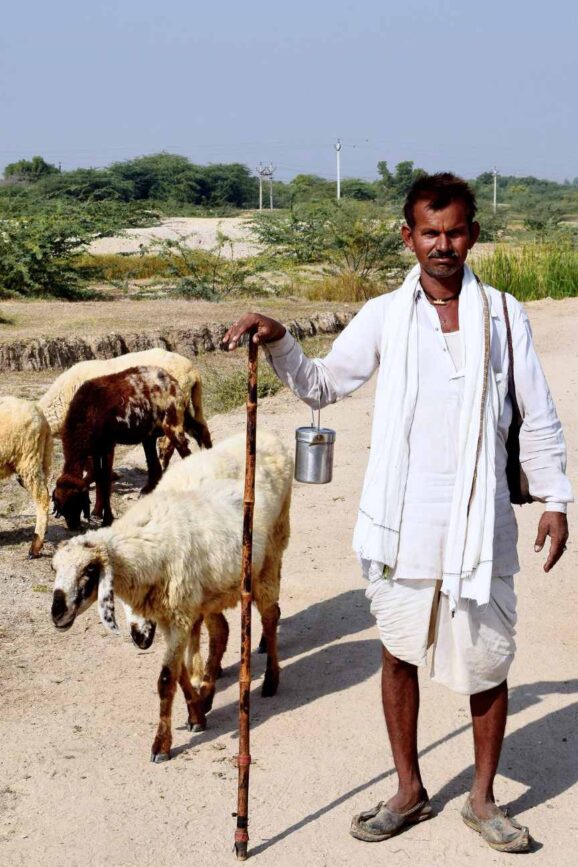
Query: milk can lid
[(314, 435)]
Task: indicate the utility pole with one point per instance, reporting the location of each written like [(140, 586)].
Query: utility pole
[(261, 172), (338, 147), (495, 174), (265, 172), (271, 169)]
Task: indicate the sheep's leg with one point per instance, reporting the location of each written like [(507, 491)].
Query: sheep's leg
[(196, 721), (89, 478), (194, 661), (153, 464), (176, 435), (89, 474), (105, 463), (38, 490), (102, 470), (218, 636), (170, 675), (270, 620), (166, 451)]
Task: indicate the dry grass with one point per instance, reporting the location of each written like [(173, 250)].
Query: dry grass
[(37, 319), (345, 287)]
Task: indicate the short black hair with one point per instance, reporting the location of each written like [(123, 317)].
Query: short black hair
[(439, 190)]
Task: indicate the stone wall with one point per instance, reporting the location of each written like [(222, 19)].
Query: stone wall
[(59, 353)]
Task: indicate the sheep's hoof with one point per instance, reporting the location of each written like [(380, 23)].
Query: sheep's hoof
[(196, 727), (157, 758), (35, 547), (270, 685)]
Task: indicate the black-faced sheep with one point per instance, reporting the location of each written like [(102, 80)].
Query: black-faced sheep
[(57, 399), (134, 406), (26, 450), (175, 557)]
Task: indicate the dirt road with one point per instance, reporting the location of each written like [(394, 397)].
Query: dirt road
[(78, 710)]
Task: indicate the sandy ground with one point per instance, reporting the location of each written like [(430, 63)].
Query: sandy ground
[(78, 710), (195, 232)]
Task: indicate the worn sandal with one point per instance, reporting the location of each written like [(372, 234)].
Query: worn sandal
[(381, 823), (500, 832)]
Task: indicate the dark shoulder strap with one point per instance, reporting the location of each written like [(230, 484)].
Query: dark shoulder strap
[(511, 381)]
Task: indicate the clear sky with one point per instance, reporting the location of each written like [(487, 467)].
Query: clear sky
[(451, 85)]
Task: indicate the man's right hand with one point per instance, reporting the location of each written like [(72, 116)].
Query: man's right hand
[(265, 330)]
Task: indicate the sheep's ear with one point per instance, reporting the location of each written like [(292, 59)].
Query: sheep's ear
[(106, 599)]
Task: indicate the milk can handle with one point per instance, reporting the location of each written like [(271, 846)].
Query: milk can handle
[(318, 418)]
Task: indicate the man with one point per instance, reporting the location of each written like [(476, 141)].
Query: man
[(435, 513)]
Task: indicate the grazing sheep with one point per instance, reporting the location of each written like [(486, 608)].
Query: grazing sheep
[(26, 449), (56, 401), (175, 557), (135, 405)]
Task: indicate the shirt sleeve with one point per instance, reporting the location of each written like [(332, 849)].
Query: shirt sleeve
[(352, 360), (542, 445)]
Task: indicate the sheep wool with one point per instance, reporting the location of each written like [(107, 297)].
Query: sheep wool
[(26, 450), (55, 402), (175, 557)]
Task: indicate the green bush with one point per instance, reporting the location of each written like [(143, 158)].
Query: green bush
[(225, 392), (347, 235), (39, 253), (210, 275)]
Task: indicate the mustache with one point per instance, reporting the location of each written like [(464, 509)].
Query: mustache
[(442, 254)]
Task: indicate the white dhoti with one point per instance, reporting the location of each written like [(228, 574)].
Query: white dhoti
[(471, 651)]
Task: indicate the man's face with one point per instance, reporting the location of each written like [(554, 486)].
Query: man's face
[(440, 239)]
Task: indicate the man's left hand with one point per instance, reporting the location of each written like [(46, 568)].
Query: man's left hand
[(555, 525)]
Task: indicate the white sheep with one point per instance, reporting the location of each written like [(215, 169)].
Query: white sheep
[(175, 557), (226, 460), (26, 449), (55, 402)]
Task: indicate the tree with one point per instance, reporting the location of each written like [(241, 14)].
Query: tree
[(161, 176), (29, 170), (385, 175), (405, 175), (354, 188)]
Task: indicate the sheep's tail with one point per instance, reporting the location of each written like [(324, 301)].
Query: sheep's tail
[(197, 425)]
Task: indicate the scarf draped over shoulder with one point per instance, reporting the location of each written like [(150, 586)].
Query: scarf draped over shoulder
[(467, 562)]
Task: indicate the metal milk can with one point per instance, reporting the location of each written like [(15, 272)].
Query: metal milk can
[(314, 453)]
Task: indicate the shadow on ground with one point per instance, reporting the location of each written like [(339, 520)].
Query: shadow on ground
[(541, 755)]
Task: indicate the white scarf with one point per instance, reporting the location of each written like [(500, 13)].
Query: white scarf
[(467, 563)]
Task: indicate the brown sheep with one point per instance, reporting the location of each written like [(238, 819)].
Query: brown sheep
[(133, 406)]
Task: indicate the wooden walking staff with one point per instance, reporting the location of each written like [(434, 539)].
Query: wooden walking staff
[(244, 757)]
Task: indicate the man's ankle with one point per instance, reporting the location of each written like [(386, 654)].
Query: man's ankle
[(407, 796), (483, 803)]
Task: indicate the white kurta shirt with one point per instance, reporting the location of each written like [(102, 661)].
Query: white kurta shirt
[(434, 430)]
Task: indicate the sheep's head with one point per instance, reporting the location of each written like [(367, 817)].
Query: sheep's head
[(83, 574), (70, 500)]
